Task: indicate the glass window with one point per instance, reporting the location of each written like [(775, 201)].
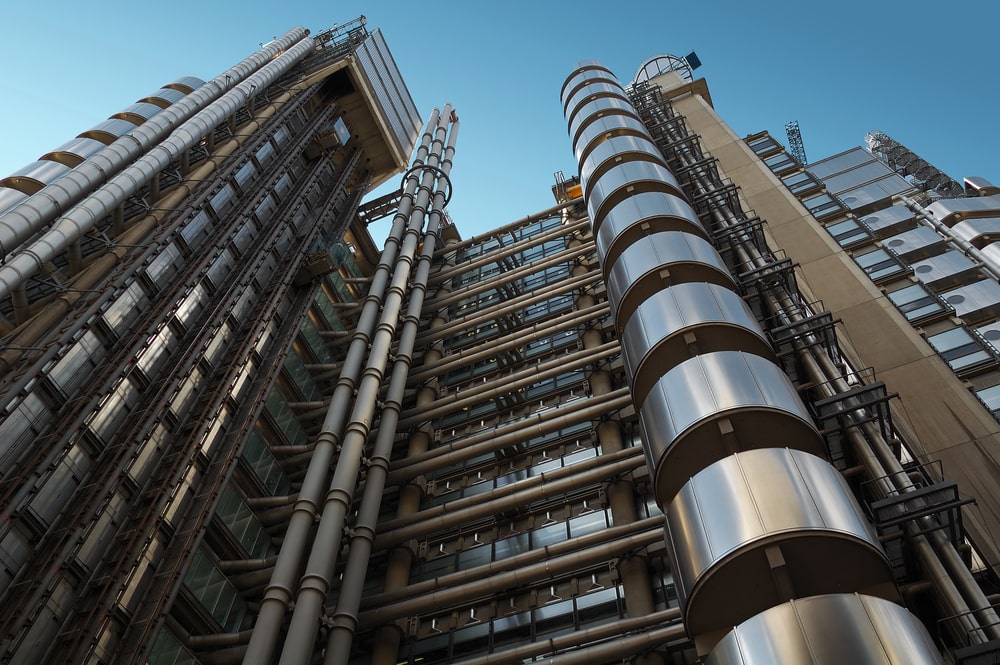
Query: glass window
[(822, 205), (959, 348), (991, 398), (800, 182), (209, 585), (223, 201), (196, 230), (243, 524), (879, 264), (916, 303), (781, 162), (848, 232), (78, 363), (261, 460)]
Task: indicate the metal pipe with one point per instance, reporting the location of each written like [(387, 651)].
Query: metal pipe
[(524, 576), (508, 306), (461, 577), (85, 215), (491, 440), (504, 277), (278, 592), (345, 618), (506, 228), (630, 626), (514, 339), (326, 544), (503, 502), (513, 381), (492, 257), (30, 216)]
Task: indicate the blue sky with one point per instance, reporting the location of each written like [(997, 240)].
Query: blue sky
[(924, 73)]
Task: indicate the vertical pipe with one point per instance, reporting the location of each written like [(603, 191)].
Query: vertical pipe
[(345, 618), (278, 593), (322, 560)]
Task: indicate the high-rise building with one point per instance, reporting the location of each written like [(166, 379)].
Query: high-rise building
[(714, 405)]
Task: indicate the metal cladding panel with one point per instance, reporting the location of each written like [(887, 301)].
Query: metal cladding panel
[(830, 629), (10, 198), (617, 150), (950, 211), (640, 215), (623, 180), (593, 90), (391, 92), (584, 71), (603, 129), (43, 171), (598, 108), (664, 259), (979, 232), (712, 404), (114, 128), (82, 147), (761, 527), (681, 322), (168, 95), (187, 84), (143, 109)]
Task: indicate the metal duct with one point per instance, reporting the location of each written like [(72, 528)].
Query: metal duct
[(829, 630), (641, 215)]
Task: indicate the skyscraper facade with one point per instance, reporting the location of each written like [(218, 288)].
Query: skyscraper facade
[(678, 417)]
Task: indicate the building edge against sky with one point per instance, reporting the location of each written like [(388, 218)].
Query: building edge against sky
[(233, 430)]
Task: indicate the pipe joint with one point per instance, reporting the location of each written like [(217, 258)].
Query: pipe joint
[(339, 495)]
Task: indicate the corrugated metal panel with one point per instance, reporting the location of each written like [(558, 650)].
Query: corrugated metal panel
[(377, 62)]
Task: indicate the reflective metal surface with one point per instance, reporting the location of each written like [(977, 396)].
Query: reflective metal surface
[(109, 130), (609, 107), (761, 527), (10, 198), (834, 629), (666, 258), (598, 108), (592, 91), (42, 171), (583, 71), (164, 97), (84, 148), (639, 216), (186, 84), (681, 322), (603, 129), (606, 157), (144, 110), (716, 403), (624, 180), (593, 87)]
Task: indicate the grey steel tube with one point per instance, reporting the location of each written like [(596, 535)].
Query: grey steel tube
[(630, 626), (537, 424), (504, 277), (508, 250), (505, 502), (85, 215), (508, 306), (530, 556), (522, 378), (344, 620), (326, 543), (514, 339), (506, 228), (27, 218), (278, 593), (484, 586)]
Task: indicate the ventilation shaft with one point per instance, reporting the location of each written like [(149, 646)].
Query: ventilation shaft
[(773, 558)]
